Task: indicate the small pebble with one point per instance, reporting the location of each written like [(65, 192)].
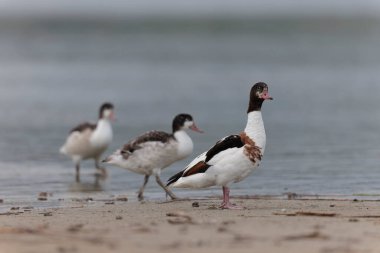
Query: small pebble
[(119, 217), (195, 204), (353, 220), (122, 198), (228, 222), (222, 229), (332, 205), (75, 228)]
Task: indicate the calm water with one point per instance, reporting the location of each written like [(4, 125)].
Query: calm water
[(322, 128)]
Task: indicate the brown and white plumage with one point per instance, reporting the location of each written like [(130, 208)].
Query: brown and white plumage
[(89, 141), (232, 158), (153, 151)]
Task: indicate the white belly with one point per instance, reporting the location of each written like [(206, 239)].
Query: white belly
[(152, 155), (232, 169), (227, 169)]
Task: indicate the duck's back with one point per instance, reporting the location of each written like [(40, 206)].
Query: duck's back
[(154, 149), (88, 140)]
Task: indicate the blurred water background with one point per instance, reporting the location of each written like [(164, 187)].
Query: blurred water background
[(323, 71)]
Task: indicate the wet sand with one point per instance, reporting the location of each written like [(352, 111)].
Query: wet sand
[(266, 225)]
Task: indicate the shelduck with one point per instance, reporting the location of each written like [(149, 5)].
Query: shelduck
[(232, 158), (89, 141), (150, 153)]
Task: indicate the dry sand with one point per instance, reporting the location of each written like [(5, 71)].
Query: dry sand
[(266, 225)]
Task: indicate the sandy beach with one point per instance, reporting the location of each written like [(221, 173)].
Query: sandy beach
[(266, 225)]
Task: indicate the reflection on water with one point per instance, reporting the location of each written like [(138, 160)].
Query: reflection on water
[(96, 186)]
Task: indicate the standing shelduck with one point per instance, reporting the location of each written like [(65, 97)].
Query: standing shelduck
[(153, 151), (232, 158), (89, 141)]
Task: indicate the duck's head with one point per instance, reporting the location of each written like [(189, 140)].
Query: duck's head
[(259, 93), (106, 111), (184, 121), (114, 159)]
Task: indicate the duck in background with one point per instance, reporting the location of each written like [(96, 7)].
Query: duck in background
[(232, 158), (89, 141), (150, 153)]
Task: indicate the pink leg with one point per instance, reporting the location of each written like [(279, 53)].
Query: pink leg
[(224, 197), (226, 204)]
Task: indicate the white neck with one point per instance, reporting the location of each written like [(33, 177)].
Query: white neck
[(255, 129), (185, 144), (102, 135)]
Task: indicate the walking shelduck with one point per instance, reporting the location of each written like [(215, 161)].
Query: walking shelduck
[(153, 151), (89, 141)]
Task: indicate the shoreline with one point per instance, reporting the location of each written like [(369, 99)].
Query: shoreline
[(51, 202), (197, 225)]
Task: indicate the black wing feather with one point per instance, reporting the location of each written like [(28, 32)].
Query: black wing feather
[(232, 141), (174, 178)]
